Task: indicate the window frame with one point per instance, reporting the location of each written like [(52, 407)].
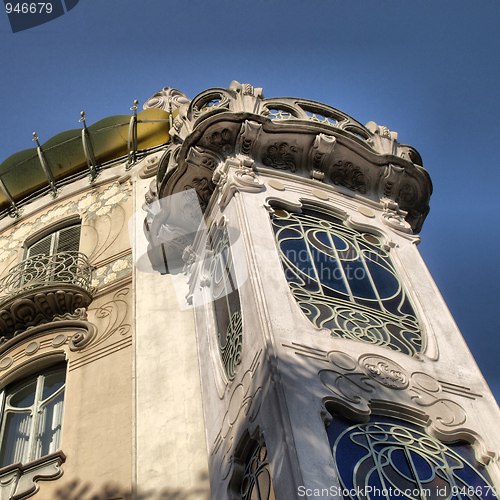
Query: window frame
[(376, 334), (46, 231), (14, 387)]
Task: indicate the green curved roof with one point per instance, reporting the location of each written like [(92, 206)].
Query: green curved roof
[(22, 174)]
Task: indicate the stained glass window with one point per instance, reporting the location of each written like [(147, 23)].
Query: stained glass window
[(257, 483), (344, 280), (226, 302), (32, 417), (389, 458)]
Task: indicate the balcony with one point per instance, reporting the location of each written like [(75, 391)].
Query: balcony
[(43, 288)]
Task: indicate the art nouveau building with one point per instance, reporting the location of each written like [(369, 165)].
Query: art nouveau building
[(223, 298)]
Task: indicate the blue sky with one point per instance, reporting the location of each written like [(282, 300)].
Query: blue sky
[(427, 70)]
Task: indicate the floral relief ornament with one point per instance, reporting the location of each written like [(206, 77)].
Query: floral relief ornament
[(93, 205)]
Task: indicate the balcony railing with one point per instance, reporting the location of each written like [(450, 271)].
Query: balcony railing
[(46, 270), (44, 287)]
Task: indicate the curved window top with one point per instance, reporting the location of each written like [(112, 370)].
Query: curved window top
[(392, 459), (257, 483), (344, 280), (32, 416), (226, 302)]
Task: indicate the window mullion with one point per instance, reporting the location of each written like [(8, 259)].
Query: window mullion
[(339, 263), (36, 417), (54, 242), (370, 278)]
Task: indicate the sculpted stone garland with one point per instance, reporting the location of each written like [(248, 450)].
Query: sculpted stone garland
[(345, 281)]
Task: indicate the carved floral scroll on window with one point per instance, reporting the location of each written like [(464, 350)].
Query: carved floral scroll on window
[(389, 459), (226, 302), (345, 281)]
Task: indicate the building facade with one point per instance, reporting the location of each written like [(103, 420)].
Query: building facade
[(223, 298)]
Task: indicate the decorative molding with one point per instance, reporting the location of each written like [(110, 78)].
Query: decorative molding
[(355, 384), (114, 312), (149, 166), (112, 272), (247, 138), (39, 306), (394, 217), (350, 176), (75, 328), (304, 137), (93, 205), (236, 174), (244, 403), (282, 156), (385, 371), (19, 481), (319, 155), (167, 99)]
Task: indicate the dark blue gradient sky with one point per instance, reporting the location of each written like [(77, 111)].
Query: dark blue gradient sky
[(427, 70)]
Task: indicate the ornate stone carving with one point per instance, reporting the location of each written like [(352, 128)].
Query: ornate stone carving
[(323, 146), (150, 166), (355, 384), (224, 121), (222, 140), (167, 99), (282, 156), (236, 174), (204, 189), (245, 402), (348, 175), (35, 307), (199, 157), (385, 371), (393, 216), (20, 481), (247, 138)]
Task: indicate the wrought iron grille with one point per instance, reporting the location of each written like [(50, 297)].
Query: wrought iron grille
[(257, 483), (389, 459), (46, 270), (226, 303), (344, 280)]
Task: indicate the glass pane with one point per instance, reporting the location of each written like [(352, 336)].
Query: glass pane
[(24, 397), (399, 460), (69, 239), (49, 427), (52, 383), (41, 247), (16, 438), (344, 280)]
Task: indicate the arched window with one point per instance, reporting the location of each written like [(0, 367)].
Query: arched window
[(225, 299), (257, 483), (345, 280), (66, 239), (391, 459), (31, 417)]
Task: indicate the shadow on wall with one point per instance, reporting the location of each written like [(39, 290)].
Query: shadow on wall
[(78, 490)]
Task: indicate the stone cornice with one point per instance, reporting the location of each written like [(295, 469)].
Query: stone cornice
[(367, 160)]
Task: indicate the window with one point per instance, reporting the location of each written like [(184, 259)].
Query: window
[(66, 239), (54, 258), (392, 459), (226, 302), (32, 417), (257, 483), (344, 280)]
